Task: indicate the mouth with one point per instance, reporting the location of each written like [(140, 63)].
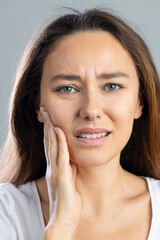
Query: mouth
[(92, 137)]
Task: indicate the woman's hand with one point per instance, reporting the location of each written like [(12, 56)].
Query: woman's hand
[(64, 200)]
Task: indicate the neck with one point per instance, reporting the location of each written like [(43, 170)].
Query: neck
[(101, 187)]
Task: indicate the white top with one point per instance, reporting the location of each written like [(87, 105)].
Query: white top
[(21, 216)]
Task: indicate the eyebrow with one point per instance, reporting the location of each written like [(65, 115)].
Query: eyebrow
[(102, 75)]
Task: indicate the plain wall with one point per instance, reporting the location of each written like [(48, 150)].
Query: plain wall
[(20, 19)]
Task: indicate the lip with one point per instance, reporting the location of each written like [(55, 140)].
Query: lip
[(90, 131), (93, 141)]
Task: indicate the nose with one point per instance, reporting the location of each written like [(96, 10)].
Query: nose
[(91, 107)]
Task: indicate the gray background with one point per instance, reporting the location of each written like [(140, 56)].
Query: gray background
[(20, 19)]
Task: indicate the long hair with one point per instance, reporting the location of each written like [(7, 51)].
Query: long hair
[(23, 157)]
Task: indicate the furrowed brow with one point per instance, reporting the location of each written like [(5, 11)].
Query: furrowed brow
[(65, 77), (113, 75), (101, 76)]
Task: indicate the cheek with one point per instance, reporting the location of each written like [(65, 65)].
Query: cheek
[(59, 112), (56, 114), (122, 113), (122, 118)]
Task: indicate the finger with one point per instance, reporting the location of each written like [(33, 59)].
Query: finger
[(74, 171), (63, 152), (46, 143), (46, 135), (51, 143)]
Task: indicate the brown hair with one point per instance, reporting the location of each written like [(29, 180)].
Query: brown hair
[(23, 157)]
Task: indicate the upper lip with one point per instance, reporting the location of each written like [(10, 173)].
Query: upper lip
[(90, 131)]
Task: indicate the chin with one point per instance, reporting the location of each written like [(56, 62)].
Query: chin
[(92, 159)]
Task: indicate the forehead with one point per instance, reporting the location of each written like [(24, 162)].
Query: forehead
[(90, 49)]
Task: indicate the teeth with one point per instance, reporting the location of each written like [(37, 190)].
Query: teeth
[(93, 135), (103, 134)]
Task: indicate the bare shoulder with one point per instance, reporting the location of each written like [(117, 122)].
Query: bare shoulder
[(137, 186)]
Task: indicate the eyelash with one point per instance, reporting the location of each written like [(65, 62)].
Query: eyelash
[(107, 85)]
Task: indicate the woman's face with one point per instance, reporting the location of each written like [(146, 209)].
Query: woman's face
[(99, 90)]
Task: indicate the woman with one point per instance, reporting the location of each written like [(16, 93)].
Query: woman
[(82, 156)]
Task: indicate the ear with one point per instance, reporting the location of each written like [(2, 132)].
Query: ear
[(139, 108)]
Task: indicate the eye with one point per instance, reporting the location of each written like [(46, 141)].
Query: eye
[(66, 89), (113, 87)]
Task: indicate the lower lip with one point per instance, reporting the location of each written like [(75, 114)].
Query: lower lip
[(93, 141)]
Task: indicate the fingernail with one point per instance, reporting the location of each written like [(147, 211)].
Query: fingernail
[(43, 112), (56, 130)]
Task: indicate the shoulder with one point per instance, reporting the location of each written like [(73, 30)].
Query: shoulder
[(154, 185), (10, 193), (6, 207), (17, 209), (12, 197), (154, 189)]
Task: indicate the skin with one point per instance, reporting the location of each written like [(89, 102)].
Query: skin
[(102, 186)]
